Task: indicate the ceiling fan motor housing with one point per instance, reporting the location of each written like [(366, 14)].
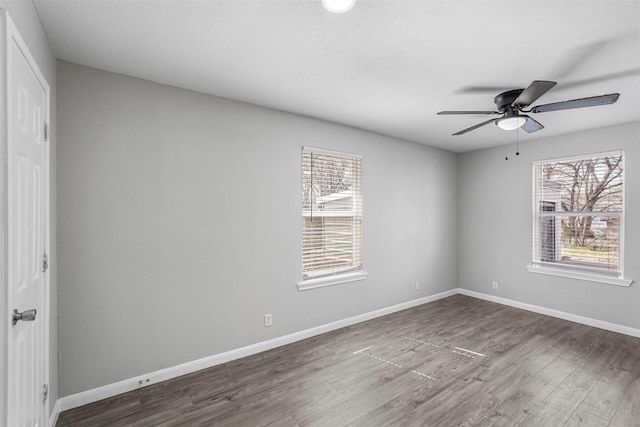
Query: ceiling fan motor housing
[(504, 100)]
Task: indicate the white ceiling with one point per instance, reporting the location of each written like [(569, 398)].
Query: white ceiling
[(385, 66)]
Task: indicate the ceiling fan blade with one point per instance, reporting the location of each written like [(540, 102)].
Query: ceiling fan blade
[(577, 103), (484, 89), (475, 127), (535, 90), (531, 125), (444, 113)]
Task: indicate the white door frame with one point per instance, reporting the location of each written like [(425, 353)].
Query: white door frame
[(4, 173), (9, 34)]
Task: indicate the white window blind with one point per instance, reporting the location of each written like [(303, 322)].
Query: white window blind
[(331, 213), (578, 213)]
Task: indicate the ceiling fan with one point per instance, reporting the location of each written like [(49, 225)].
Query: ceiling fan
[(512, 103)]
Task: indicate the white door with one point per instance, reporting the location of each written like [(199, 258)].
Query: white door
[(27, 181)]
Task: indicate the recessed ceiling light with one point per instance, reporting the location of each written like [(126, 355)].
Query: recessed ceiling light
[(338, 6)]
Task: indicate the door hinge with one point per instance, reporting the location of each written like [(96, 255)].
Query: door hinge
[(45, 392), (45, 262), (46, 131)]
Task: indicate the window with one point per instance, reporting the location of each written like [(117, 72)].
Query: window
[(331, 218), (578, 217)]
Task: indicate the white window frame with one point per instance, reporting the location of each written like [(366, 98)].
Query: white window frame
[(338, 278), (565, 270)]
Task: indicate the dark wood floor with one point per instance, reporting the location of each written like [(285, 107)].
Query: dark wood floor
[(454, 362)]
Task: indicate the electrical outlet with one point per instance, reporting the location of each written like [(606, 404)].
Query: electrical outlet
[(417, 285), (268, 319), (495, 285)]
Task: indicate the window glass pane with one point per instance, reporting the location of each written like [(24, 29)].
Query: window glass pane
[(331, 214), (581, 241), (585, 185), (579, 204)]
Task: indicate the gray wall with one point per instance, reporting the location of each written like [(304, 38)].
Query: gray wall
[(495, 219), (179, 225), (26, 19)]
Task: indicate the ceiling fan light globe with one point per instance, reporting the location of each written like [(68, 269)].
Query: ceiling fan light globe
[(511, 123), (338, 6)]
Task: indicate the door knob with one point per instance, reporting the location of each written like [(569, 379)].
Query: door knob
[(27, 316)]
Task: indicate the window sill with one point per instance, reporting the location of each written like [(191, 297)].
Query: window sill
[(331, 280), (610, 280)]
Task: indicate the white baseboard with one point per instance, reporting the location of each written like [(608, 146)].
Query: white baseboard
[(555, 313), (110, 390), (53, 418)]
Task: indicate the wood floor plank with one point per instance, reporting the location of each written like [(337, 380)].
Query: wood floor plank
[(584, 419), (590, 360), (284, 421), (628, 412), (348, 406), (269, 407), (453, 362), (480, 409), (609, 392)]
